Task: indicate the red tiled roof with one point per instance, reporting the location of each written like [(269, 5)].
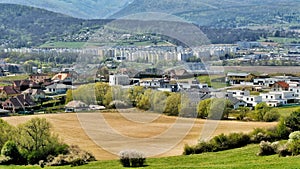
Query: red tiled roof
[(283, 84)]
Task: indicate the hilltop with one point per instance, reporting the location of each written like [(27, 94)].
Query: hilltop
[(87, 9), (23, 26), (233, 13)]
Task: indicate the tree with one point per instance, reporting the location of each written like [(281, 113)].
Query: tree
[(145, 100), (293, 121), (260, 110), (69, 96), (36, 141), (134, 94), (159, 101), (172, 104), (203, 108), (243, 111), (100, 91), (6, 132)]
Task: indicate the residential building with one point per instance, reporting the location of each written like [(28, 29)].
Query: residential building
[(58, 88), (280, 86), (76, 106), (238, 78), (252, 100), (19, 103), (115, 80), (39, 78)]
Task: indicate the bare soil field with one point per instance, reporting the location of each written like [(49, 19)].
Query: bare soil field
[(105, 134), (259, 69)]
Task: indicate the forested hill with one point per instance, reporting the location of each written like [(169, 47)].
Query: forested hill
[(88, 9), (225, 13), (23, 26)]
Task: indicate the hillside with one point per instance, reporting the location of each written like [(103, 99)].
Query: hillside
[(88, 9), (23, 26), (228, 13)]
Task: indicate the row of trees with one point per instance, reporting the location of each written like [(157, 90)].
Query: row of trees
[(172, 104)]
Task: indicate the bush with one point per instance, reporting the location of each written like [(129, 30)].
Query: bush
[(258, 135), (294, 143), (203, 147), (270, 116), (266, 148), (293, 121), (188, 150), (132, 158), (118, 104), (11, 150), (75, 157)]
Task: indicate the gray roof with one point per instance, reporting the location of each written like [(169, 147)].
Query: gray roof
[(237, 74)]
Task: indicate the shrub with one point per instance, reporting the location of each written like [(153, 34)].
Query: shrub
[(294, 143), (283, 151), (258, 135), (294, 147), (118, 104), (203, 147), (11, 150), (270, 116), (293, 121), (187, 150), (131, 158), (266, 148)]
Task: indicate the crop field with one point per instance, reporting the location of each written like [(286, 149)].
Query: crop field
[(99, 135)]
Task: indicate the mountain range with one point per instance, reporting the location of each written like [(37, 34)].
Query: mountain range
[(87, 9), (225, 13)]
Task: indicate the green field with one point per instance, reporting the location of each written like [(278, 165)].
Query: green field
[(13, 78), (237, 158), (282, 40), (63, 45)]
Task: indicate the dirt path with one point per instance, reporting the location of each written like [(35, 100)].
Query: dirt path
[(105, 134)]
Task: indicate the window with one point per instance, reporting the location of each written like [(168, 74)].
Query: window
[(251, 99)]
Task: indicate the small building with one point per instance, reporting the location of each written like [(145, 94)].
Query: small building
[(76, 106), (280, 86), (251, 100), (58, 88), (36, 94), (122, 80), (8, 91), (39, 77), (238, 78)]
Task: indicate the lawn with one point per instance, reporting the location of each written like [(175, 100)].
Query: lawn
[(237, 158), (63, 45), (13, 78)]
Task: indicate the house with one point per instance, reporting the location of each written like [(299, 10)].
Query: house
[(20, 102), (122, 80), (23, 85), (273, 99), (76, 106), (36, 94), (280, 86), (252, 100), (236, 103), (238, 93), (58, 88), (151, 83), (39, 78), (8, 91), (238, 78)]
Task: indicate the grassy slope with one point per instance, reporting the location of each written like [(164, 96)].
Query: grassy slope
[(237, 158)]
